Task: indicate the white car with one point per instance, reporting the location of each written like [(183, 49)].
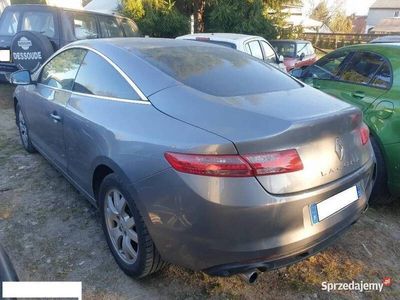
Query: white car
[(254, 45)]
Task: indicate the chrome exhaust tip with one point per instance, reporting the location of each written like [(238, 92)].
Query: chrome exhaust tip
[(249, 277)]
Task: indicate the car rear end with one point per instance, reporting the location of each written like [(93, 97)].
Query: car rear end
[(300, 172), (270, 204)]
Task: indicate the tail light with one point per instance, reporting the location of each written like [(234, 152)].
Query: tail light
[(364, 134), (236, 165)]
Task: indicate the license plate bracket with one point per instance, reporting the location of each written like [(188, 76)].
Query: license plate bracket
[(324, 209)]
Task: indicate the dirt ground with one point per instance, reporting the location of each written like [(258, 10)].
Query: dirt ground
[(53, 234)]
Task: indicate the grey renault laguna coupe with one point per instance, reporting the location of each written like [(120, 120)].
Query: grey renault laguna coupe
[(196, 154)]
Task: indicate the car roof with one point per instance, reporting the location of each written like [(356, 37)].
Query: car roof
[(117, 50), (383, 48), (226, 37), (38, 6)]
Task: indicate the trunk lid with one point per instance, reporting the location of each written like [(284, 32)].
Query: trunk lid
[(323, 130)]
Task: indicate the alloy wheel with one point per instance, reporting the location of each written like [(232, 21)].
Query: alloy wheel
[(121, 226)]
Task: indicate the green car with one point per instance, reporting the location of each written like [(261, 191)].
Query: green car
[(367, 76)]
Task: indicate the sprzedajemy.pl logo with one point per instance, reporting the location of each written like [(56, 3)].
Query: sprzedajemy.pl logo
[(360, 286)]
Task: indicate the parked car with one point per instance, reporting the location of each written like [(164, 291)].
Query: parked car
[(30, 34), (367, 76), (256, 46), (196, 154), (297, 54)]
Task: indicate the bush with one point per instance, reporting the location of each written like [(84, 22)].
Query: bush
[(161, 22), (156, 18), (239, 16)]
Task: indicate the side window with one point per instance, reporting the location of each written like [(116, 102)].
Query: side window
[(301, 49), (109, 27), (84, 25), (383, 78), (256, 49), (9, 23), (107, 83), (311, 50), (39, 21), (60, 72), (332, 64), (362, 68), (269, 52), (247, 48), (130, 28)]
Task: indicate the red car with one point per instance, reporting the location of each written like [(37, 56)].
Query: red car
[(297, 54)]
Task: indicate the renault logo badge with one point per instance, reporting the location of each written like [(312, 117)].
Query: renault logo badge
[(339, 149)]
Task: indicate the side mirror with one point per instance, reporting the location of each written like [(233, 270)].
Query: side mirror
[(281, 59), (296, 73), (22, 77), (302, 56)]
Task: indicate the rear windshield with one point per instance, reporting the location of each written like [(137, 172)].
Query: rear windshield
[(286, 49), (39, 21), (9, 23), (218, 71)]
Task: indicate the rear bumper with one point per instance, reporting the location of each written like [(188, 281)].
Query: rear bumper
[(225, 226)]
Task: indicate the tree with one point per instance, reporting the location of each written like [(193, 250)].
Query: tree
[(340, 22), (238, 16), (321, 12)]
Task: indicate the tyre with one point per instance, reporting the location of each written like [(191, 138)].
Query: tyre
[(30, 50), (380, 192), (125, 230), (23, 130)]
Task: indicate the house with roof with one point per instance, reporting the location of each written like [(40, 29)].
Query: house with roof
[(382, 9)]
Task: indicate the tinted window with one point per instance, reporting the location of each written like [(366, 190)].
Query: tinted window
[(383, 78), (108, 82), (217, 71), (39, 21), (60, 72), (9, 23), (256, 49), (269, 52), (327, 67), (130, 28), (84, 25), (287, 49), (109, 27), (362, 68)]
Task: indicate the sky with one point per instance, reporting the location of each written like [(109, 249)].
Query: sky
[(359, 7)]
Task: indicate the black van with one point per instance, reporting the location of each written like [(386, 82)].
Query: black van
[(31, 33)]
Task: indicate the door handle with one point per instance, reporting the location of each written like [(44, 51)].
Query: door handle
[(358, 95), (55, 117)]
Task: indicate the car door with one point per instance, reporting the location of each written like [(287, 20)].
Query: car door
[(358, 83), (94, 93), (46, 105)]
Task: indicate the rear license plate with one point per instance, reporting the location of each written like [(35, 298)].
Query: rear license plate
[(326, 208), (5, 55)]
